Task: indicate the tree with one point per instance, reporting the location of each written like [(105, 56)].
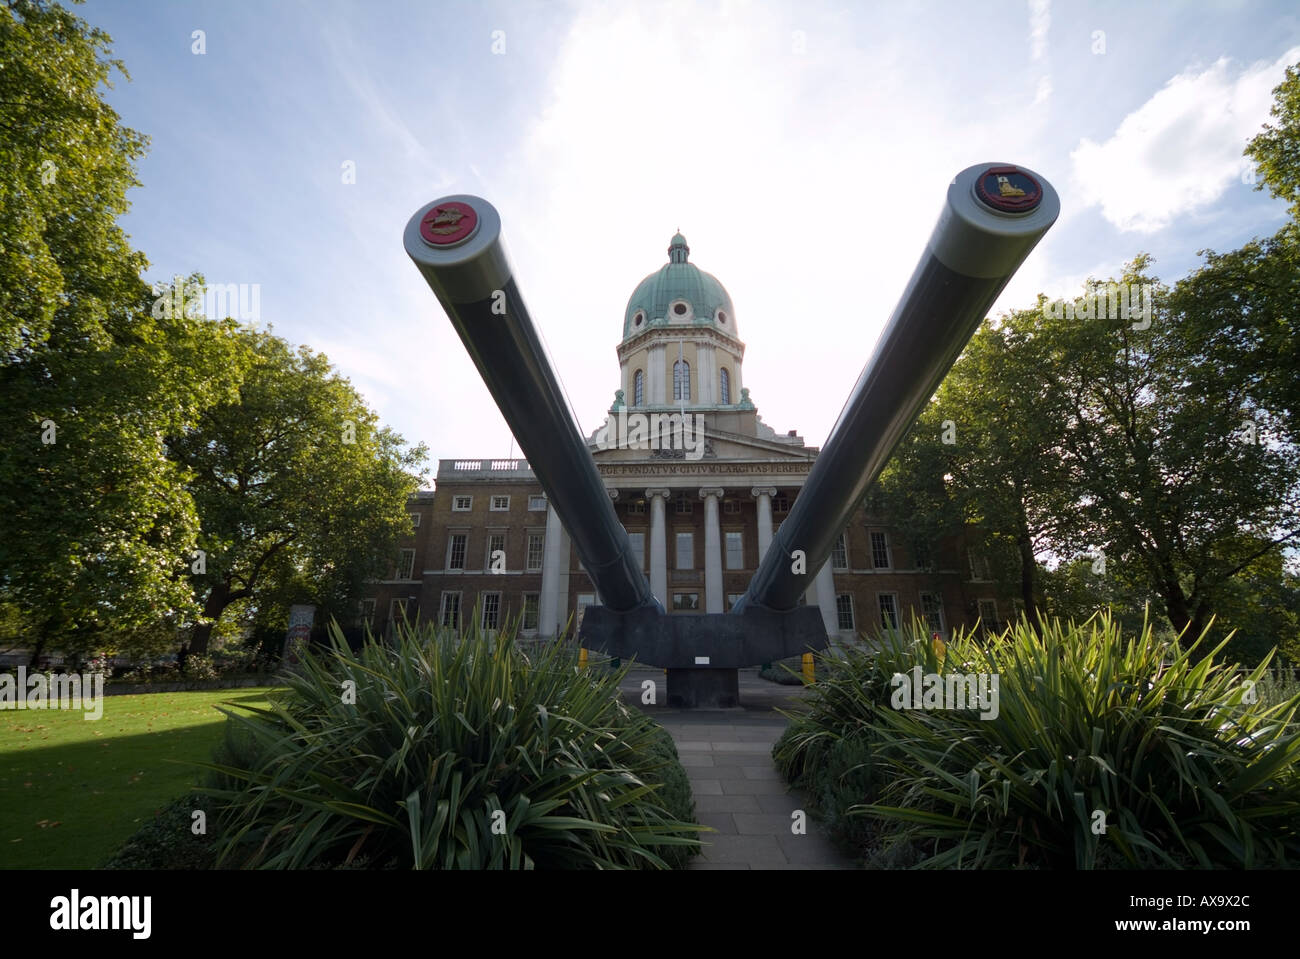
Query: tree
[(301, 494), (981, 461), (1164, 473), (1276, 149), (97, 522)]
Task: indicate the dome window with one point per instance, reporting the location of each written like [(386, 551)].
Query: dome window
[(724, 387), (638, 389), (639, 318), (679, 309), (681, 380), (722, 316)]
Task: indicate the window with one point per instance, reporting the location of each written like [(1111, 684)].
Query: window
[(529, 621), (494, 560), (638, 388), (731, 506), (499, 504), (415, 520), (880, 551), (366, 612), (732, 600), (844, 611), (636, 506), (988, 610), (461, 504), (685, 550), (840, 554), (724, 387), (637, 540), (456, 550), (980, 570), (679, 309), (681, 380), (536, 544), (735, 550), (685, 504), (537, 502), (491, 611), (405, 564), (397, 611), (450, 613), (686, 601), (888, 603), (780, 503), (924, 557), (932, 609)]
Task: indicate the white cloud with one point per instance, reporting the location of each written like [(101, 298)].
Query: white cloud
[(1040, 19), (807, 184), (1182, 149)]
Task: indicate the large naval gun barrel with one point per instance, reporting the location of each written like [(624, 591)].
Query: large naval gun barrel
[(993, 217), (456, 244)]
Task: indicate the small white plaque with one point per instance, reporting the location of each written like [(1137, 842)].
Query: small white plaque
[(701, 660)]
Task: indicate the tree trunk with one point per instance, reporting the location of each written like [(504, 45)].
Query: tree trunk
[(1028, 564), (1028, 573), (1176, 606), (216, 602)]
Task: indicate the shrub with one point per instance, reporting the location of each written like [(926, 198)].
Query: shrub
[(1184, 772), (168, 841), (438, 752), (200, 667), (786, 672), (234, 660)]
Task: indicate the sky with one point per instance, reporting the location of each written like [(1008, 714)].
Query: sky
[(803, 148)]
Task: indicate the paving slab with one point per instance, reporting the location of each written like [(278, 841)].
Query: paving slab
[(725, 803), (738, 791)]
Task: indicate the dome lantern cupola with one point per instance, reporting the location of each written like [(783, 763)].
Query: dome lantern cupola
[(679, 294)]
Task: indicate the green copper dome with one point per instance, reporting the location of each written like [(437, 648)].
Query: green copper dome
[(659, 299)]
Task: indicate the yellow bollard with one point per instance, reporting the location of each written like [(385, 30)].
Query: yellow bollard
[(582, 658), (808, 668)]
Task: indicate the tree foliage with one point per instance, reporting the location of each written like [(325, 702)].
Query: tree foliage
[(133, 436), (301, 492), (96, 518)]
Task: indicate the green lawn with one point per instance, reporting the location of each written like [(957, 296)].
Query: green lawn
[(73, 790)]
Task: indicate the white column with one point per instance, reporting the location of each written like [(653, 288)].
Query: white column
[(712, 551), (658, 545), (548, 617), (613, 498), (826, 599), (764, 494), (562, 580)]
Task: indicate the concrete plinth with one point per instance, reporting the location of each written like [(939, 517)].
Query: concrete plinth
[(703, 688)]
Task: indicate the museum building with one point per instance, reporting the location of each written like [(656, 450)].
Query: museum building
[(699, 482)]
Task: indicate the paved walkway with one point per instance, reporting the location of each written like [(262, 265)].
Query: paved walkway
[(728, 755)]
